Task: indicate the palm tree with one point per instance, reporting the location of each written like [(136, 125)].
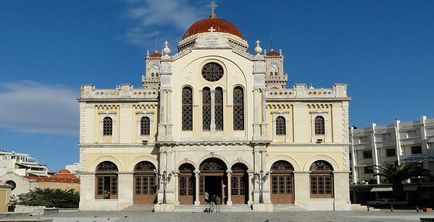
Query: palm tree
[(396, 173)]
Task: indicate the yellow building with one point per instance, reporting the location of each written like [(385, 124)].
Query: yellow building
[(214, 119), (4, 197)]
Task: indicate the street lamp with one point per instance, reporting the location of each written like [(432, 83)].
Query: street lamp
[(165, 179), (261, 177)]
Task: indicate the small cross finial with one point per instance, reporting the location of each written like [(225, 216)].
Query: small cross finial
[(212, 5), (212, 29)]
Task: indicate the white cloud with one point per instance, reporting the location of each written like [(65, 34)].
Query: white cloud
[(32, 107), (149, 15)]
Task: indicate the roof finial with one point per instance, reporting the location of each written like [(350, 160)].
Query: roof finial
[(258, 48), (212, 5)]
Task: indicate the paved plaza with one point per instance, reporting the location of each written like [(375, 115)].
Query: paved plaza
[(304, 216)]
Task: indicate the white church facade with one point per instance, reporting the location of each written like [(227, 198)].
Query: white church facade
[(214, 119)]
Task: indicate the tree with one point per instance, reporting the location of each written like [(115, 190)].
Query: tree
[(396, 173), (50, 198)]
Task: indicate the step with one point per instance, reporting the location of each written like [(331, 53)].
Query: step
[(223, 208), (286, 208), (141, 207)]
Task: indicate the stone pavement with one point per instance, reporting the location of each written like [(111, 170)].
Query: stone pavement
[(302, 216)]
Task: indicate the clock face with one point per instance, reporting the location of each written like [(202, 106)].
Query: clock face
[(154, 68), (274, 67)]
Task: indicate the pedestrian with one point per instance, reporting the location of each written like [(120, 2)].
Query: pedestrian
[(207, 201), (218, 202), (212, 200)]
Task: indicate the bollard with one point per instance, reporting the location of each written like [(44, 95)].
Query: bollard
[(391, 208), (417, 208)]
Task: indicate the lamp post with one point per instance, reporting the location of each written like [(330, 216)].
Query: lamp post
[(165, 179), (261, 177)]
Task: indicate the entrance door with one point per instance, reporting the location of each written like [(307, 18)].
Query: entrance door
[(281, 189), (213, 185), (239, 188), (282, 184), (186, 189), (144, 189)]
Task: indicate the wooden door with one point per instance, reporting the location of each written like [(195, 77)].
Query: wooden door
[(282, 188), (239, 188), (144, 189), (186, 189)]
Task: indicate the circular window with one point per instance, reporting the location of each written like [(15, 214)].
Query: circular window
[(12, 184), (212, 72)]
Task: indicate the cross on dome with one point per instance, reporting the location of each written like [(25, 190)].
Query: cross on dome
[(212, 29), (212, 5)]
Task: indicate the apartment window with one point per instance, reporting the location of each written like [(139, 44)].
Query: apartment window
[(390, 152), (368, 169), (416, 149), (367, 154)]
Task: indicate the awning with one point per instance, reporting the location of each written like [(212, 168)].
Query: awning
[(381, 189)]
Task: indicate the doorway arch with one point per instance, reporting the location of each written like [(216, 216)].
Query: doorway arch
[(145, 183), (239, 184), (282, 182), (213, 179), (186, 183)]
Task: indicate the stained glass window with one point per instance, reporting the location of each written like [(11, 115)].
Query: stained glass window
[(212, 72), (187, 108), (280, 125), (206, 108), (238, 112), (107, 127), (219, 108), (145, 126)]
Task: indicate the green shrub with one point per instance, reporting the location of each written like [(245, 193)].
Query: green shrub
[(50, 198)]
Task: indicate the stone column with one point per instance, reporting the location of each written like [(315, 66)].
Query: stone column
[(212, 126), (301, 188), (161, 120), (264, 124), (250, 187), (197, 177), (125, 190), (255, 114), (176, 191), (229, 173), (169, 115)]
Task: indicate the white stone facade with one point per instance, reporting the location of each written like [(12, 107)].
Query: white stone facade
[(214, 152), (399, 141)]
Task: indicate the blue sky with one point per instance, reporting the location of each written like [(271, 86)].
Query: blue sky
[(383, 49)]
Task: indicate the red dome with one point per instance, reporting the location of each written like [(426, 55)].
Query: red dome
[(155, 54), (218, 24), (272, 53)]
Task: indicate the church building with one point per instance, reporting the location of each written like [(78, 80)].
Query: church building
[(214, 118)]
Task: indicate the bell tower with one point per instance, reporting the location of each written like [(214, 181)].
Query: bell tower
[(275, 77)]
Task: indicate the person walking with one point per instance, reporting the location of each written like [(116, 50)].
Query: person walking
[(218, 202), (212, 201), (207, 202)]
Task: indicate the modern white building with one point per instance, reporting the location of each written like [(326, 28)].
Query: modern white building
[(214, 118), (21, 164), (399, 141)]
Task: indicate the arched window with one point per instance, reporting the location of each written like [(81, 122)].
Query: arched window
[(106, 177), (145, 126), (280, 125), (187, 108), (321, 180), (107, 127), (145, 185), (238, 112), (319, 125), (219, 108), (206, 108)]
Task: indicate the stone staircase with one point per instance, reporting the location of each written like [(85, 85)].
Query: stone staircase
[(223, 208), (286, 208), (141, 207)]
